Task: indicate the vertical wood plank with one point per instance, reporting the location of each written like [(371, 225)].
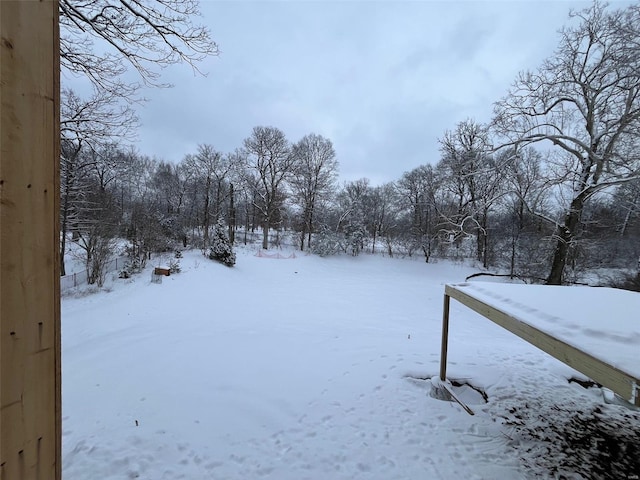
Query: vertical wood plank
[(30, 388)]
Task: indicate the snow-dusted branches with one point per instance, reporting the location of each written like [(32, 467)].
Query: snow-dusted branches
[(583, 104), (146, 34)]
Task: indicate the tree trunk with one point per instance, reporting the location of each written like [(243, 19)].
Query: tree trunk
[(516, 232), (306, 227), (63, 230), (559, 256), (565, 234), (303, 234), (246, 225), (310, 223), (206, 218), (232, 215), (373, 246), (427, 253), (254, 213), (481, 239), (485, 240), (512, 266), (485, 252), (627, 217), (265, 235), (218, 202)]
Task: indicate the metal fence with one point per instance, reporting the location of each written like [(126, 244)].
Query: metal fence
[(80, 278)]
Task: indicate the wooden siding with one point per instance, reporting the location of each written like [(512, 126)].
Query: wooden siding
[(30, 418)]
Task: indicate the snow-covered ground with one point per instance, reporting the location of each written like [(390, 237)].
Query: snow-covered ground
[(313, 368)]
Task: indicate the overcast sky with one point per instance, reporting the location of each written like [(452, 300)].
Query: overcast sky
[(383, 80)]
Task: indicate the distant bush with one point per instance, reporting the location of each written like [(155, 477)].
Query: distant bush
[(327, 243), (174, 263), (628, 282), (356, 235)]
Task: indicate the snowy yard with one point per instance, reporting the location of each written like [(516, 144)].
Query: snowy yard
[(312, 368)]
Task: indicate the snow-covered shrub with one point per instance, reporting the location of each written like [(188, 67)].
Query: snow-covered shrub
[(326, 243), (174, 263), (355, 238), (126, 273), (628, 281), (99, 250), (221, 248), (134, 264)]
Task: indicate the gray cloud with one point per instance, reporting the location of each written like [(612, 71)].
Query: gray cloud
[(382, 80)]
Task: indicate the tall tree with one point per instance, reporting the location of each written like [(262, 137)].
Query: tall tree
[(170, 187), (382, 212), (146, 34), (314, 177), (87, 125), (143, 207), (97, 119), (96, 216), (583, 103), (269, 156), (354, 211), (524, 194), (627, 200), (417, 191), (213, 169), (474, 181)]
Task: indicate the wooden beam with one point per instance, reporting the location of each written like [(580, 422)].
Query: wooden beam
[(30, 401), (598, 370)]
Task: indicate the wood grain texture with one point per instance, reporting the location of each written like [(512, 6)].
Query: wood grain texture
[(30, 388)]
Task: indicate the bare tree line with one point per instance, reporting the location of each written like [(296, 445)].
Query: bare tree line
[(546, 189)]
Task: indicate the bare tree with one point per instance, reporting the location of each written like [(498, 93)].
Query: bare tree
[(95, 215), (213, 170), (525, 194), (146, 34), (74, 167), (249, 186), (169, 185), (147, 225), (95, 120), (382, 213), (353, 206), (87, 126), (269, 157), (583, 103), (237, 190), (417, 192), (314, 177), (627, 200), (474, 180)]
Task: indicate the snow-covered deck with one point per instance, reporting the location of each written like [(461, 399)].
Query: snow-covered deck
[(594, 330)]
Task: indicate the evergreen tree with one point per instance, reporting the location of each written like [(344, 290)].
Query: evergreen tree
[(221, 247)]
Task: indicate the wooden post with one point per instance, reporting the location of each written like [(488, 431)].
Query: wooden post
[(445, 338), (30, 417)]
